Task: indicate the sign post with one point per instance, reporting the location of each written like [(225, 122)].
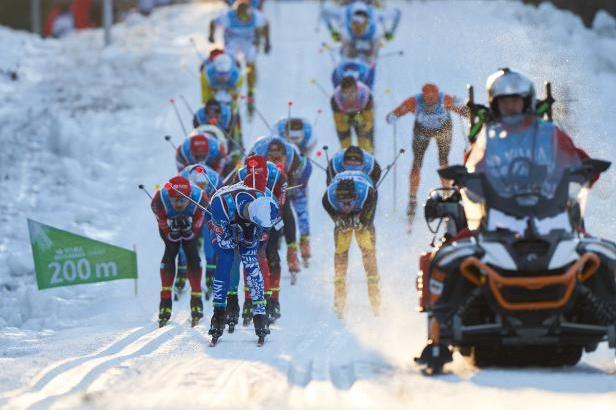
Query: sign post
[(64, 259)]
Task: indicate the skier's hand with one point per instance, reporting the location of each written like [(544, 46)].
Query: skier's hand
[(343, 223), (389, 36), (210, 38), (174, 236), (356, 222), (267, 47), (335, 35), (391, 118)]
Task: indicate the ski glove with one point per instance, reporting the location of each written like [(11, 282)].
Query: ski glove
[(344, 223), (391, 118), (267, 48), (174, 236), (389, 36), (211, 38), (335, 35)]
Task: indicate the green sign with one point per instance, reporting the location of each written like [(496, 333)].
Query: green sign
[(63, 259)]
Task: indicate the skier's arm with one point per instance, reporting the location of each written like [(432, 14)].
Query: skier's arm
[(329, 208), (180, 161), (206, 90), (330, 171), (451, 103), (195, 121), (375, 175), (212, 30), (409, 105), (290, 229), (366, 215), (161, 215), (280, 189)]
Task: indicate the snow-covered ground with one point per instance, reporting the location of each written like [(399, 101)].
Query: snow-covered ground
[(83, 126)]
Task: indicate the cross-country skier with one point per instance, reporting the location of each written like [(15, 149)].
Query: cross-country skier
[(350, 200), (353, 107), (179, 222), (201, 148), (239, 216), (360, 28), (354, 159), (269, 258), (221, 79), (298, 131), (432, 120), (208, 181), (257, 4), (215, 113), (243, 28), (356, 68), (286, 155)]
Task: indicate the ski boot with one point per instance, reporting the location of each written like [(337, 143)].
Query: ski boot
[(180, 284), (164, 312), (196, 308), (434, 356), (274, 310), (304, 247), (217, 325), (247, 313), (261, 328), (233, 312), (209, 281)]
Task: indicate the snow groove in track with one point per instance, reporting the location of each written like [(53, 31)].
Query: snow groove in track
[(78, 374)]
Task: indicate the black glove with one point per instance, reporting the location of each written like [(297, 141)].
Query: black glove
[(211, 38), (267, 48), (356, 222), (344, 223)]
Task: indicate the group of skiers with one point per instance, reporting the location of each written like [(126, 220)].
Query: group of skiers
[(240, 202)]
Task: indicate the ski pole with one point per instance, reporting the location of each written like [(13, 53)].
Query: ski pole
[(290, 103), (187, 105), (316, 118), (194, 45), (260, 114), (330, 51), (395, 181), (389, 167), (144, 189), (177, 114), (317, 164), (168, 139), (320, 87), (185, 69), (326, 148), (392, 54)]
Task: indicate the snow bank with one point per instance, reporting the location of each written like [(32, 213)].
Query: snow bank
[(72, 131)]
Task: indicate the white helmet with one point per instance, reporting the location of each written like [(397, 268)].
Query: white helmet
[(264, 212), (507, 82), (223, 63)]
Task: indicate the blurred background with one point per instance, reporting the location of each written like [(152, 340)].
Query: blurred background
[(41, 16)]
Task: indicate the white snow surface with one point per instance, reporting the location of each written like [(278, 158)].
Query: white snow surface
[(83, 125)]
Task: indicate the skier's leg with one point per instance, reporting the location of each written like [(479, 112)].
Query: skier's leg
[(210, 260), (443, 140), (290, 233), (273, 262), (194, 270), (167, 274), (342, 240), (222, 276), (365, 132), (180, 277), (299, 201), (420, 145), (366, 240), (343, 129), (254, 276)]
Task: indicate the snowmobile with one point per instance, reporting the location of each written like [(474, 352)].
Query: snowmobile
[(515, 280)]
